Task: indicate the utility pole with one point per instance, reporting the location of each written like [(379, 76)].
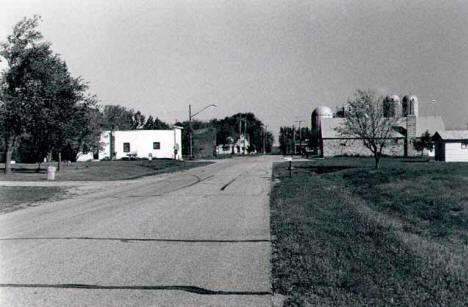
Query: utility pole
[(294, 139), (190, 125), (190, 130), (264, 138), (245, 133), (300, 136)]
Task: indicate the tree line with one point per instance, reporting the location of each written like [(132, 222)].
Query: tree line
[(229, 128)]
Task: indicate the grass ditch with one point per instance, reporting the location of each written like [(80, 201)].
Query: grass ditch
[(345, 234)]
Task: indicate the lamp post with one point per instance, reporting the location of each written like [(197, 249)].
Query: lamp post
[(190, 125)]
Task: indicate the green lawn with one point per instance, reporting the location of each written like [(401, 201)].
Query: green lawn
[(345, 234), (99, 171)]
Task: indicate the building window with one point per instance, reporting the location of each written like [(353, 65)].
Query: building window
[(156, 145), (464, 145), (126, 147)]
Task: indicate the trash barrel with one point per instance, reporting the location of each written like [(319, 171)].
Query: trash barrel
[(51, 172)]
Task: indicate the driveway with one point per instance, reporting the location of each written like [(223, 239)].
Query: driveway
[(198, 237)]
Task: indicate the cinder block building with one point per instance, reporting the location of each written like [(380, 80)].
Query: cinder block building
[(122, 144)]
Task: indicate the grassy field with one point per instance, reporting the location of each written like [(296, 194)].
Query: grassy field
[(345, 234), (99, 171)]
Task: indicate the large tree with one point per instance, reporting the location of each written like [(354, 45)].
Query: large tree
[(365, 120), (40, 98), (22, 82), (118, 117)]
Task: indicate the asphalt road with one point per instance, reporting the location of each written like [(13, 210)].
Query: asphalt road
[(198, 237)]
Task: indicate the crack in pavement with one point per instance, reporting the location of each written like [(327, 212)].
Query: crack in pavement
[(191, 289), (126, 240)]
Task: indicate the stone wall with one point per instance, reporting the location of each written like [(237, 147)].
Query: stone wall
[(355, 147)]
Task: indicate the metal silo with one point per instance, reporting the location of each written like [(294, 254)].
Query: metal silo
[(410, 105), (392, 106), (318, 114)]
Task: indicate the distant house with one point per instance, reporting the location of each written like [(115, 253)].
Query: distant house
[(128, 144), (451, 145), (239, 147)]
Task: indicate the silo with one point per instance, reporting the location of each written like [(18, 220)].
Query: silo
[(392, 106), (410, 105), (318, 114)]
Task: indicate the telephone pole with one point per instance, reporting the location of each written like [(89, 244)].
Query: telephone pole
[(300, 136), (264, 136), (190, 125)]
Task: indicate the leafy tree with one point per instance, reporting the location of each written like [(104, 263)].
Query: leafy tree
[(149, 123), (41, 101), (117, 117), (19, 83), (365, 120), (138, 121), (89, 119), (155, 124), (424, 142), (160, 125)]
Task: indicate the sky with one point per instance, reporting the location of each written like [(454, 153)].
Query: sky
[(277, 59)]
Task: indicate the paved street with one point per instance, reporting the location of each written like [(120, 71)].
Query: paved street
[(198, 237)]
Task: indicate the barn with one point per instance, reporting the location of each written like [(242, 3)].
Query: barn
[(451, 145)]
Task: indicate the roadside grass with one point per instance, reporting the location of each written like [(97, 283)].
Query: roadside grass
[(100, 171), (345, 234), (14, 198)]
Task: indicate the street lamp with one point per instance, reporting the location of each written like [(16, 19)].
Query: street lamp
[(190, 125)]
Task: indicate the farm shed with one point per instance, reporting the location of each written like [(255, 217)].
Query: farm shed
[(451, 145)]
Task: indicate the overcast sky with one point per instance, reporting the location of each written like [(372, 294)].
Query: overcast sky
[(277, 59)]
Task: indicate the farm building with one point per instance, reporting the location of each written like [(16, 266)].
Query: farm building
[(451, 145), (410, 127), (123, 144)]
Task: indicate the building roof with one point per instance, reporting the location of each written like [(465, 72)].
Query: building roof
[(329, 126), (429, 123), (423, 124), (453, 134), (322, 111)]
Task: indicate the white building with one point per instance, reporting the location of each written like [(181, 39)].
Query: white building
[(240, 147), (451, 145), (157, 144)]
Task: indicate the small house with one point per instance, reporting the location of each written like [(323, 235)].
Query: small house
[(451, 145), (238, 147)]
